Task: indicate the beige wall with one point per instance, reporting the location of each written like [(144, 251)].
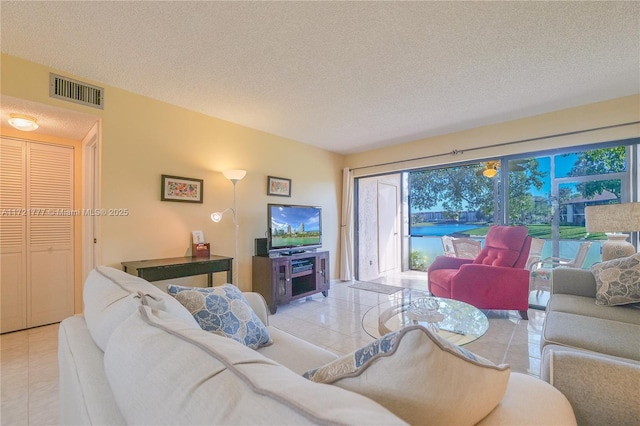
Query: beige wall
[(601, 114), (143, 138), (389, 159)]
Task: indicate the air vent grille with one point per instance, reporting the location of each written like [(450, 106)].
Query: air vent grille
[(75, 91)]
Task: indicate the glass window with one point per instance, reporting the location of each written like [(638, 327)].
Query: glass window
[(460, 201), (529, 191), (546, 193), (593, 162), (560, 188)]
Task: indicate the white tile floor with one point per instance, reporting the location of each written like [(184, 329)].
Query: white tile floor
[(335, 322), (29, 377), (29, 367)]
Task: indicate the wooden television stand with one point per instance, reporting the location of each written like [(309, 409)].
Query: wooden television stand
[(283, 278)]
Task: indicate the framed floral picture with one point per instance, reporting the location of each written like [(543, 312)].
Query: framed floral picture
[(182, 189), (278, 186)]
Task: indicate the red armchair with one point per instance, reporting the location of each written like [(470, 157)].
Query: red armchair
[(496, 279)]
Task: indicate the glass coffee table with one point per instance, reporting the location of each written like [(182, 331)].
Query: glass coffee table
[(456, 321)]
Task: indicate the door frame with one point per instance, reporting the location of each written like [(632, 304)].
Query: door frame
[(360, 228), (386, 265), (91, 241)]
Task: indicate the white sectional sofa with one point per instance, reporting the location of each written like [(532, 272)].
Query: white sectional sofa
[(137, 356)]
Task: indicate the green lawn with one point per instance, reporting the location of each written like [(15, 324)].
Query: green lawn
[(544, 232)]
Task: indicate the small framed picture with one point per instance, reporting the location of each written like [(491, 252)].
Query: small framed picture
[(183, 189), (198, 237), (278, 186)]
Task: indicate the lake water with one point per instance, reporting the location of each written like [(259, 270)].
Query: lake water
[(441, 229), (429, 247)]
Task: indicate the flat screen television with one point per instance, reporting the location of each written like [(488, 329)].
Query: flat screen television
[(294, 228)]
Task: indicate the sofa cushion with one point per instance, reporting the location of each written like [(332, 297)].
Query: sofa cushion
[(111, 295), (503, 245), (225, 311), (573, 281), (582, 305), (165, 372), (618, 281), (294, 353), (420, 377), (605, 336), (497, 257)]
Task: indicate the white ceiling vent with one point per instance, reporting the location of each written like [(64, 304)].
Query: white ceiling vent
[(75, 91)]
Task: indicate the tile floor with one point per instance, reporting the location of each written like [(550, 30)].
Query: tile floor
[(335, 322), (29, 377), (29, 368)]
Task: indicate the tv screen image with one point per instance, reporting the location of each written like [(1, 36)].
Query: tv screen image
[(294, 226)]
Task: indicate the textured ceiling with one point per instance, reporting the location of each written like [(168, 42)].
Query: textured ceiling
[(344, 76), (52, 120)]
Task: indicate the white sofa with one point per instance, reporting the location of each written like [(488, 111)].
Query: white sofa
[(136, 359)]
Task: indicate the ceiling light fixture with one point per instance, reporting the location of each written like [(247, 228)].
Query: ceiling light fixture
[(490, 171), (26, 123)]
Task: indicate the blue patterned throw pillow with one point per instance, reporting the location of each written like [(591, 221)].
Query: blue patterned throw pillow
[(225, 311)]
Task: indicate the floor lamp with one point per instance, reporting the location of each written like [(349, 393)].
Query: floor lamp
[(613, 219), (234, 176)]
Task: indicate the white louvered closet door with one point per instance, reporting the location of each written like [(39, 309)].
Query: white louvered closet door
[(13, 246), (50, 230), (36, 234)]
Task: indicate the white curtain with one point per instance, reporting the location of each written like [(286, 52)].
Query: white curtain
[(346, 227)]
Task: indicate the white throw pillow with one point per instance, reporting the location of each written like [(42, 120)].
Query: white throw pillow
[(420, 377), (617, 281), (110, 296)]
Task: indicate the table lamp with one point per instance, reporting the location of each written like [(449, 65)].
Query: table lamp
[(613, 219)]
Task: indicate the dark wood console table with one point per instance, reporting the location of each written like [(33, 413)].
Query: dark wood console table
[(178, 267)]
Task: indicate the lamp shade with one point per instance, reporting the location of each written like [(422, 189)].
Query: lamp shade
[(235, 174), (217, 216), (613, 217)]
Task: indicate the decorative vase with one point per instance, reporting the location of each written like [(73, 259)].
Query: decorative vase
[(617, 246)]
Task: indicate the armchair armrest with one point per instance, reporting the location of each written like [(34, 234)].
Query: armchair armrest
[(445, 262), (259, 305), (573, 281)]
